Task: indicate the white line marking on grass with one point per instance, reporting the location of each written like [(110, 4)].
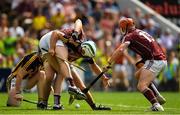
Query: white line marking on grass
[(142, 107)]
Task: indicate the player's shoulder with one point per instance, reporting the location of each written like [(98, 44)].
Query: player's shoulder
[(132, 33)]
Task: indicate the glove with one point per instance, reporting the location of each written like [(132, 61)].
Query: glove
[(75, 35)]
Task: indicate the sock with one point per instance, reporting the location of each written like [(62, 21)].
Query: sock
[(148, 93), (57, 99), (154, 89), (93, 105), (70, 80), (90, 100)]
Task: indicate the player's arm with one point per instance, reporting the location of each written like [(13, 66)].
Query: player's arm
[(97, 70), (78, 30), (54, 38), (138, 64), (129, 58), (76, 37), (19, 77), (18, 84), (78, 26), (118, 52), (8, 82)]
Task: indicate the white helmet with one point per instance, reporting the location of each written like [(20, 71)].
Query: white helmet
[(88, 49)]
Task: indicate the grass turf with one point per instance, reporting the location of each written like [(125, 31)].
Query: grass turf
[(121, 103)]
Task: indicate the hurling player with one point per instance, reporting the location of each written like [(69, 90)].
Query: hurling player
[(145, 45)]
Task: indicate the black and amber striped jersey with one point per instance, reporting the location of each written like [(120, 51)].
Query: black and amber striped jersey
[(31, 63)]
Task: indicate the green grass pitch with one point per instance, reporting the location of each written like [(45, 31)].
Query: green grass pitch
[(121, 103)]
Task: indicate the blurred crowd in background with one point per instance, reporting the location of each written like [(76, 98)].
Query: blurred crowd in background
[(23, 22)]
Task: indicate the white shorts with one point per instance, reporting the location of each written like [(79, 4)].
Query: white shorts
[(156, 66), (44, 42)]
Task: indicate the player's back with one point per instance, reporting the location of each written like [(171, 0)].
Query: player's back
[(145, 45), (30, 62)]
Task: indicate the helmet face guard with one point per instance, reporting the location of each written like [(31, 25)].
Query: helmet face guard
[(123, 31), (88, 49)]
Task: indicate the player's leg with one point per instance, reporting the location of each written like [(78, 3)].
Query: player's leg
[(57, 92), (145, 78), (159, 97), (137, 73), (49, 71), (39, 79), (79, 83), (54, 66), (156, 68), (64, 66), (65, 71)]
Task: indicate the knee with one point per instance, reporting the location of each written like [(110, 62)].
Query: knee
[(42, 75), (141, 87)]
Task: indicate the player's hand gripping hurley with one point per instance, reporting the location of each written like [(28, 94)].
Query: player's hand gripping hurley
[(105, 69)]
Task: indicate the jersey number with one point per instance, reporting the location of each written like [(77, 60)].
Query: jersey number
[(144, 34)]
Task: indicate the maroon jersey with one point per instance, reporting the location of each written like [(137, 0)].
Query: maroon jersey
[(73, 49), (144, 45), (67, 32)]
